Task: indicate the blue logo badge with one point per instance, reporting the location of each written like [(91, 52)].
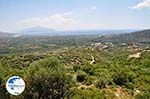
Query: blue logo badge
[(15, 85)]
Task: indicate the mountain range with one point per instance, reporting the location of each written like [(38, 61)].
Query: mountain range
[(38, 30), (43, 31), (105, 35)]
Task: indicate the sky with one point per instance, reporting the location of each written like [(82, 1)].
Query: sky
[(16, 15)]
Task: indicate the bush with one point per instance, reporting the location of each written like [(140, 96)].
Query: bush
[(123, 78), (90, 80), (81, 76), (88, 94), (143, 95), (103, 82), (130, 85), (47, 78), (76, 68), (3, 90), (89, 69), (146, 63), (103, 79)]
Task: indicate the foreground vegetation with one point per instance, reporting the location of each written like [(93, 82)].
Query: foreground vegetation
[(78, 70)]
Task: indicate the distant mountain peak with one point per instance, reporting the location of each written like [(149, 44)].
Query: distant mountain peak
[(38, 30)]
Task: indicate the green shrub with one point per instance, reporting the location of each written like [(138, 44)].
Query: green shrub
[(103, 82), (143, 95), (76, 68), (146, 63), (130, 85), (88, 94), (104, 78), (47, 78), (123, 78), (81, 76), (89, 69)]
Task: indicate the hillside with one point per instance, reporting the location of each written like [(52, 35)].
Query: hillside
[(5, 35), (82, 67), (134, 37), (111, 76)]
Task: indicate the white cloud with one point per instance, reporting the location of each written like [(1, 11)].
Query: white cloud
[(143, 4), (58, 21), (93, 8), (68, 13)]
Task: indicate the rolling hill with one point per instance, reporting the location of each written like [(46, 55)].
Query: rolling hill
[(6, 35), (134, 37)]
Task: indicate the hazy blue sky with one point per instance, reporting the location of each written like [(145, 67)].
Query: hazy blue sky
[(16, 15)]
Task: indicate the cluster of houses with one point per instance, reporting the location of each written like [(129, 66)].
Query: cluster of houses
[(100, 46)]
